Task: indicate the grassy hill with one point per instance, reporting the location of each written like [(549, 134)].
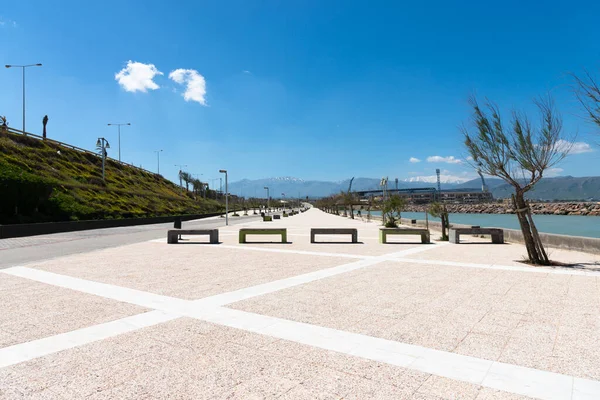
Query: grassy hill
[(42, 181)]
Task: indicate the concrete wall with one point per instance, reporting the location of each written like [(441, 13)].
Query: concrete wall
[(20, 230), (577, 243)]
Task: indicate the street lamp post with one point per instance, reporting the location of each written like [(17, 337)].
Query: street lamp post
[(224, 171), (283, 195), (119, 127), (268, 198), (102, 145), (23, 68), (158, 161)]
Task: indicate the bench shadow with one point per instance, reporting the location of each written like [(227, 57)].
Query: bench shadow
[(501, 244), (337, 243), (180, 242), (425, 244), (267, 243)]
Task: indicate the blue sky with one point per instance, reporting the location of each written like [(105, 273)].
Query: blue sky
[(313, 89)]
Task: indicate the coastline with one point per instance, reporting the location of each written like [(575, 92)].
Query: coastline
[(563, 208)]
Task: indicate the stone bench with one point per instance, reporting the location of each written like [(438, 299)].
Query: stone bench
[(496, 233), (173, 234), (267, 218), (334, 231), (424, 233), (264, 231)]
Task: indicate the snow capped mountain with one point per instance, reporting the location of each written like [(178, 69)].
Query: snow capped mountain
[(446, 179), (285, 179)]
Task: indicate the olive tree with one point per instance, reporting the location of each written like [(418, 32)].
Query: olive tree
[(519, 153), (439, 210), (391, 208)]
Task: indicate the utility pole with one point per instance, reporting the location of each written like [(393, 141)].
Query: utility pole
[(158, 160), (23, 69), (268, 198), (119, 128), (224, 171)]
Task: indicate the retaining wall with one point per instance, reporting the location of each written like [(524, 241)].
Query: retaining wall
[(20, 230)]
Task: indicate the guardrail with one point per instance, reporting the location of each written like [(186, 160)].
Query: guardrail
[(19, 132)]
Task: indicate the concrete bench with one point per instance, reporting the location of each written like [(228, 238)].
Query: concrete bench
[(384, 232), (276, 216), (267, 218), (267, 231), (334, 231), (496, 233), (173, 234)]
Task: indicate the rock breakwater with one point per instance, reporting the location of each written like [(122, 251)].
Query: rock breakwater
[(566, 208)]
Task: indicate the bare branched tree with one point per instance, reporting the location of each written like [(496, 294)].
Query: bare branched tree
[(587, 90), (519, 154)]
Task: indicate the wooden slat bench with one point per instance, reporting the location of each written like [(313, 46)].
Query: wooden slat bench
[(334, 231), (173, 234), (276, 216), (424, 233), (264, 231), (496, 233), (267, 218)]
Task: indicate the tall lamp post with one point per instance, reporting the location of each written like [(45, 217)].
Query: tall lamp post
[(119, 127), (102, 145), (158, 161), (283, 194), (268, 198), (23, 68), (224, 171)]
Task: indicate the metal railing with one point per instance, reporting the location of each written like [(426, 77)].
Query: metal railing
[(19, 132)]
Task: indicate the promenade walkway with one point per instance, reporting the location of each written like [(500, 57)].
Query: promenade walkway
[(148, 320)]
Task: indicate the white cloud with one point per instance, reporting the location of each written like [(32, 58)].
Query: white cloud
[(138, 77), (469, 158), (439, 159), (8, 22), (551, 172), (246, 72), (576, 147), (195, 84), (414, 160)]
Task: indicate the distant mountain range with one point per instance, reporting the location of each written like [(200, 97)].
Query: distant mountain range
[(559, 188)]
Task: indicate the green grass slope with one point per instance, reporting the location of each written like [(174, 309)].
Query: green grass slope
[(42, 181)]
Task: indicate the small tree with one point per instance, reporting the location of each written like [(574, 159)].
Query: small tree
[(391, 209), (349, 202), (519, 155), (44, 123), (439, 210), (3, 124)]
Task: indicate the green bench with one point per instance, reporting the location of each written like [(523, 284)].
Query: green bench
[(384, 232), (267, 218), (264, 231)]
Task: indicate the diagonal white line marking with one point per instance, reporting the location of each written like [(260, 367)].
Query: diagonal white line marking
[(538, 270), (119, 293), (496, 375), (38, 348)]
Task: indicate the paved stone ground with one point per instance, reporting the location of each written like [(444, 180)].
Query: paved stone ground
[(148, 320)]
